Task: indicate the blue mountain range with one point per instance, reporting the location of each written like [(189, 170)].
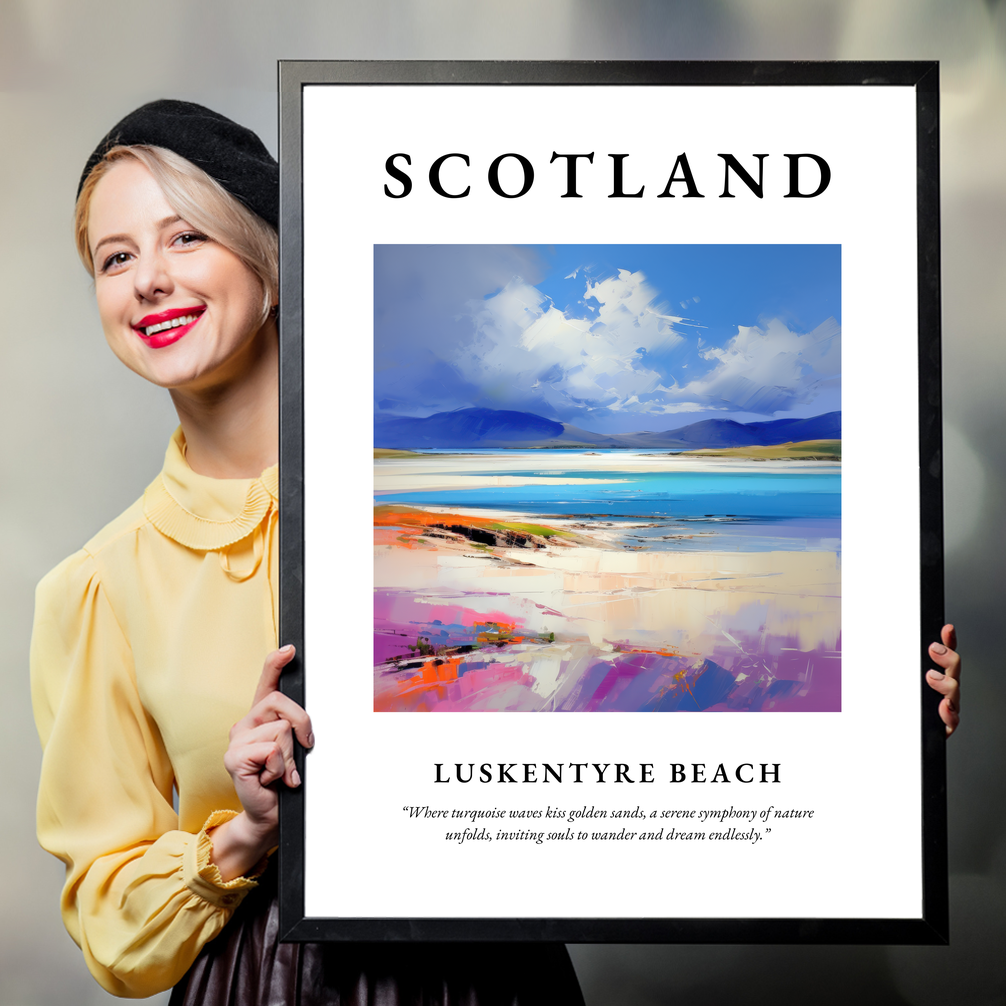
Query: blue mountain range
[(468, 428)]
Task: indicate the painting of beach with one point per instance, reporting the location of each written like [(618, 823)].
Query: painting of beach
[(607, 478)]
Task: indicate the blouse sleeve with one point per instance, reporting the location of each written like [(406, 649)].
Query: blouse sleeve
[(141, 898)]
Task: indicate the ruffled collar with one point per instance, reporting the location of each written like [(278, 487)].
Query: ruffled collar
[(203, 513)]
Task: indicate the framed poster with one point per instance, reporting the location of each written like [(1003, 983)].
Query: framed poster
[(571, 622)]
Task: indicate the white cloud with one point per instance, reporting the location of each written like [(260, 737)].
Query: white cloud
[(768, 369), (523, 340), (526, 353)]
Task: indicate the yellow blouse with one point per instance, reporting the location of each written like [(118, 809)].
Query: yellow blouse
[(147, 647)]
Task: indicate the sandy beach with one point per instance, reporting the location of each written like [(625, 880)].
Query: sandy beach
[(480, 609), (425, 472)]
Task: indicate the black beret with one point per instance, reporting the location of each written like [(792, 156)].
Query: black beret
[(231, 154)]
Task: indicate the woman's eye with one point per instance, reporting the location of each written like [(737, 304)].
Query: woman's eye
[(114, 261), (190, 238)]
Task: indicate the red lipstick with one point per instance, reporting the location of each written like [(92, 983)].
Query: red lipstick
[(166, 327)]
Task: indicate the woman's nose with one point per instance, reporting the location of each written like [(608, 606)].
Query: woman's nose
[(152, 277)]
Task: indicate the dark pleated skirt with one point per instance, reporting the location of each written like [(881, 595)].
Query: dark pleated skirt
[(246, 965)]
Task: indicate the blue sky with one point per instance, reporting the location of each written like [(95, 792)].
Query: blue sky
[(609, 338)]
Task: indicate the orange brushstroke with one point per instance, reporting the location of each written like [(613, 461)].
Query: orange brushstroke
[(393, 516), (660, 651)]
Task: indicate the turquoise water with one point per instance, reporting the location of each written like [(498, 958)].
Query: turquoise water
[(728, 510)]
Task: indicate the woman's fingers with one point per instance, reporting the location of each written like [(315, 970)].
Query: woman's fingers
[(274, 766), (261, 761), (277, 706), (945, 655), (947, 686), (949, 710), (949, 636), (279, 736), (947, 680), (271, 670), (270, 703), (261, 749)]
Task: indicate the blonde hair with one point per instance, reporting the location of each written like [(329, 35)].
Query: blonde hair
[(199, 200)]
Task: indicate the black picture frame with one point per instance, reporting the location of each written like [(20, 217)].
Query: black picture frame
[(932, 925)]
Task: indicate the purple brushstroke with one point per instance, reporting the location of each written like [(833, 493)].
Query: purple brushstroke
[(754, 671)]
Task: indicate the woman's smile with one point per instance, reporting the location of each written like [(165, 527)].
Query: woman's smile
[(166, 327)]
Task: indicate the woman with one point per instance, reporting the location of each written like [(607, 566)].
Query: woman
[(149, 642)]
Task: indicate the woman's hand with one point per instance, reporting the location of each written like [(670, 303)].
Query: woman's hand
[(947, 682), (260, 753)]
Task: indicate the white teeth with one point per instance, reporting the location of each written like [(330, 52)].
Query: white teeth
[(173, 323)]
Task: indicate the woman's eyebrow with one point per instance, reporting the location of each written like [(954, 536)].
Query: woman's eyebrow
[(109, 240), (160, 225)]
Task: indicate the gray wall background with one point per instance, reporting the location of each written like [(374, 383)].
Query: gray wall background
[(82, 436)]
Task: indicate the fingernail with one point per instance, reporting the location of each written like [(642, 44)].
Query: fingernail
[(295, 777), (936, 675), (938, 648), (310, 740), (286, 649)]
